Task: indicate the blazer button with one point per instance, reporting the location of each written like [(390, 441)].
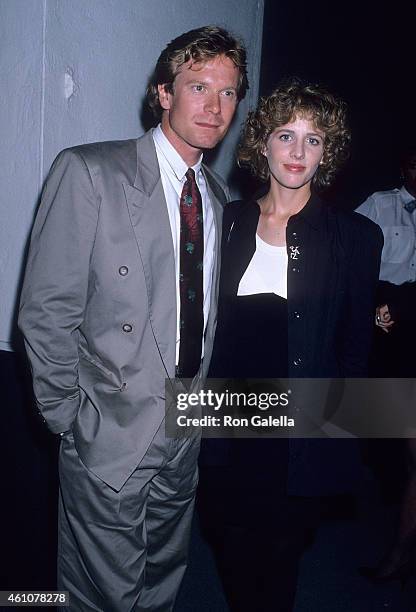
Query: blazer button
[(296, 315), (127, 328), (123, 270), (295, 269), (297, 361)]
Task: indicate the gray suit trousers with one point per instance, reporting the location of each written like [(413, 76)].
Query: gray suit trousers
[(127, 550)]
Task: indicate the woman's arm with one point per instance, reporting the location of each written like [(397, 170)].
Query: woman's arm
[(358, 323)]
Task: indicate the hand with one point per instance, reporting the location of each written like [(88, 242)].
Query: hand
[(383, 318)]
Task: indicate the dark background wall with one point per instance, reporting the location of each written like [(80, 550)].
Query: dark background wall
[(365, 53)]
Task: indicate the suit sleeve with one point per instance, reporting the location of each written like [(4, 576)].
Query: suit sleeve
[(55, 287), (363, 273)]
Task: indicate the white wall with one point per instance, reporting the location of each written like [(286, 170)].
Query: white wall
[(75, 71)]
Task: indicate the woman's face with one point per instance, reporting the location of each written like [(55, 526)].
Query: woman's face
[(293, 152)]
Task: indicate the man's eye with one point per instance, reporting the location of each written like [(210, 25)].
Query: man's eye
[(229, 93), (198, 88)]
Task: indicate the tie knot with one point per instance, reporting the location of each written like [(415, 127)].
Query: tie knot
[(190, 174)]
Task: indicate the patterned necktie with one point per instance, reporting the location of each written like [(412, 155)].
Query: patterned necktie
[(410, 206), (191, 321)]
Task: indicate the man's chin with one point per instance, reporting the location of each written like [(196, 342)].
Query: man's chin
[(209, 143)]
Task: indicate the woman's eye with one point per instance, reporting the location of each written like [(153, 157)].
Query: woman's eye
[(314, 141), (285, 137)]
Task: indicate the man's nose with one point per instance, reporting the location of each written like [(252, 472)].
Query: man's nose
[(213, 103)]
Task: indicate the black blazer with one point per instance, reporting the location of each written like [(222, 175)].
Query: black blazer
[(333, 268)]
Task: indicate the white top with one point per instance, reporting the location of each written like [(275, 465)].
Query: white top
[(172, 171), (266, 272), (398, 258)]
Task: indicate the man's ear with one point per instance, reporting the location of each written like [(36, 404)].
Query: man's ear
[(164, 96)]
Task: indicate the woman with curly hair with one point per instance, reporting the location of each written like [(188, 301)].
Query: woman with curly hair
[(297, 298)]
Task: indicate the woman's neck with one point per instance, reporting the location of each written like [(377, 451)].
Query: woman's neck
[(282, 203), (275, 209)]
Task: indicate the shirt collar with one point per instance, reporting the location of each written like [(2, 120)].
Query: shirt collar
[(172, 157), (406, 196)]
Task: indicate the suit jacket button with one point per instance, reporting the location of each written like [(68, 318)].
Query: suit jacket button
[(297, 361), (127, 328), (123, 270), (296, 315)]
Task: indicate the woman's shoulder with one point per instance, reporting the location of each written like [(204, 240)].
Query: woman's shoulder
[(237, 208), (241, 217), (354, 226)]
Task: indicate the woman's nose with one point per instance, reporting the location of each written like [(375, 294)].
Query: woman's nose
[(298, 150)]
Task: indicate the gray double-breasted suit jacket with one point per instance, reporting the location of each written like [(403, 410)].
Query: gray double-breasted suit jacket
[(98, 306)]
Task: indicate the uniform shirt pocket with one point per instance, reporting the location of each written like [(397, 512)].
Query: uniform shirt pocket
[(399, 243)]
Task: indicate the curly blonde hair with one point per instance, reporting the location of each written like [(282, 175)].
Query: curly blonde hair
[(291, 99)]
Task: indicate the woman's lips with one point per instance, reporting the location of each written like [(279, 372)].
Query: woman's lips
[(294, 167)]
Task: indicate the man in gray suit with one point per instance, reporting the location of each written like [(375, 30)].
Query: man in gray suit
[(105, 316)]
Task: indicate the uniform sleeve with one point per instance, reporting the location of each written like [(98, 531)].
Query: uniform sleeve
[(368, 208), (55, 287)]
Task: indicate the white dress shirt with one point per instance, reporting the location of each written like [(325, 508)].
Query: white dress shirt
[(398, 258), (266, 272), (172, 171)]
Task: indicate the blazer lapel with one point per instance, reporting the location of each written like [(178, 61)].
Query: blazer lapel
[(218, 200), (150, 220), (240, 247)]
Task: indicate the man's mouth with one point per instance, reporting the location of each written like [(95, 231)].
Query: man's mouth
[(212, 126)]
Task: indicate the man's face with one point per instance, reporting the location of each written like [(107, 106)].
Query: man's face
[(198, 113), (409, 173)]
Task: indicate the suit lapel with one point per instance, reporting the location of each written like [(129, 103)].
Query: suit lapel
[(150, 220)]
